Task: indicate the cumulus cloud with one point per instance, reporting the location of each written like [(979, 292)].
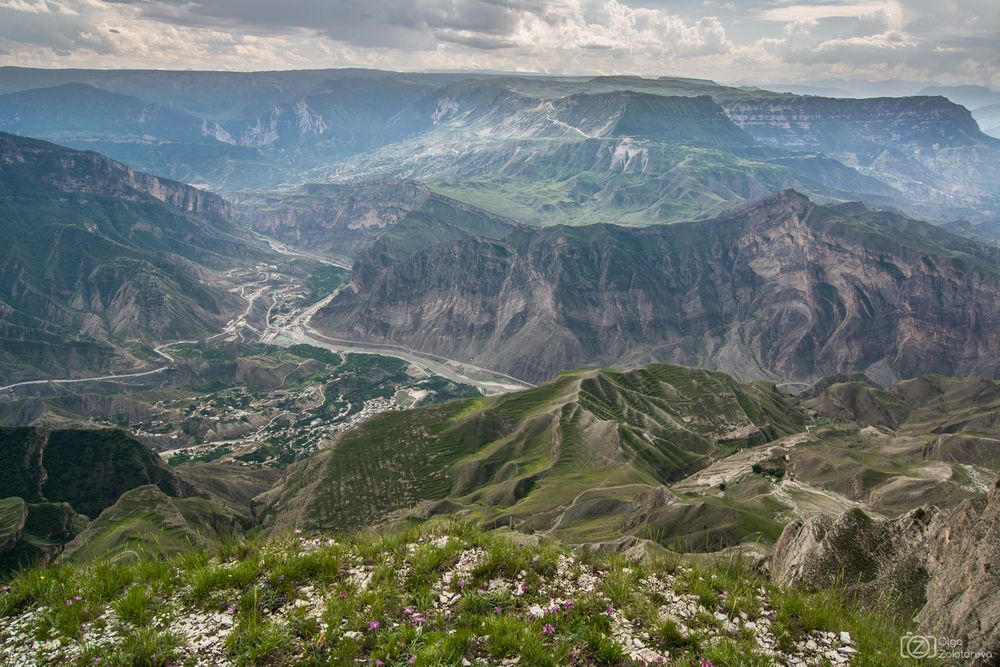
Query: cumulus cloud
[(948, 40)]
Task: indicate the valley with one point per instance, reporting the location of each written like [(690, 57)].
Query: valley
[(732, 356)]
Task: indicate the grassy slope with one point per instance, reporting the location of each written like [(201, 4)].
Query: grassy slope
[(145, 520), (379, 597), (523, 458)]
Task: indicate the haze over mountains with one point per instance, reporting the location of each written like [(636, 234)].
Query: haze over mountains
[(95, 254), (539, 149), (642, 315)]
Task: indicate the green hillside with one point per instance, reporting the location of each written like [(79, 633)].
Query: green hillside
[(89, 469), (522, 458)]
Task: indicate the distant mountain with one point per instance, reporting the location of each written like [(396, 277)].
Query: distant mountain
[(624, 156), (148, 136), (542, 150), (927, 148), (95, 254), (780, 288), (970, 97), (338, 220), (988, 118)]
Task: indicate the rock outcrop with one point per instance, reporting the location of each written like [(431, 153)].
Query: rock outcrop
[(963, 563), (940, 562)]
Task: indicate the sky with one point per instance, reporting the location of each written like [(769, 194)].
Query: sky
[(947, 41)]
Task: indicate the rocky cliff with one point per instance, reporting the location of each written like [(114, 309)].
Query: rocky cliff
[(94, 252), (928, 148), (337, 220), (940, 562), (779, 289)]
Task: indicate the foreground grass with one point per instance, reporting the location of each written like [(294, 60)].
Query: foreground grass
[(433, 595)]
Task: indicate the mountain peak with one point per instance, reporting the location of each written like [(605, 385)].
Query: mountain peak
[(784, 201)]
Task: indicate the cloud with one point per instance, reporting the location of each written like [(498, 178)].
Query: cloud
[(425, 25), (948, 40), (813, 13)]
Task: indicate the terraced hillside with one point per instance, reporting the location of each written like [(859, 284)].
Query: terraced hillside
[(687, 458), (577, 449)]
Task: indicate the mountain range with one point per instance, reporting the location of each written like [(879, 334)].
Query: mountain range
[(781, 288), (733, 333), (542, 150), (96, 254)]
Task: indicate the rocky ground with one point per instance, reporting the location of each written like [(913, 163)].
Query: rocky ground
[(453, 597)]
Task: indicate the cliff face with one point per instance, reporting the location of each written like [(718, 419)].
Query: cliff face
[(338, 220), (94, 252), (928, 148), (781, 289), (940, 562), (37, 162)]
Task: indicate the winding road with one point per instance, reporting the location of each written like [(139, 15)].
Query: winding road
[(298, 331)]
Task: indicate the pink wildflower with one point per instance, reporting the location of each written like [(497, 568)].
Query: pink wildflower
[(548, 629)]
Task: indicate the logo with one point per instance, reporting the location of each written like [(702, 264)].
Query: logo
[(922, 647), (918, 647)]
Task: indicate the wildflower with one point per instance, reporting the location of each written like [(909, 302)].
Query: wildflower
[(610, 612), (523, 588), (78, 598), (69, 603), (379, 662), (497, 610), (408, 611), (461, 584), (412, 660), (418, 619), (298, 531), (569, 604), (548, 629), (374, 625)]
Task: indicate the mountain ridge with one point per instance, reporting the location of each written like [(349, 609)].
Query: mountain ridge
[(536, 301)]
